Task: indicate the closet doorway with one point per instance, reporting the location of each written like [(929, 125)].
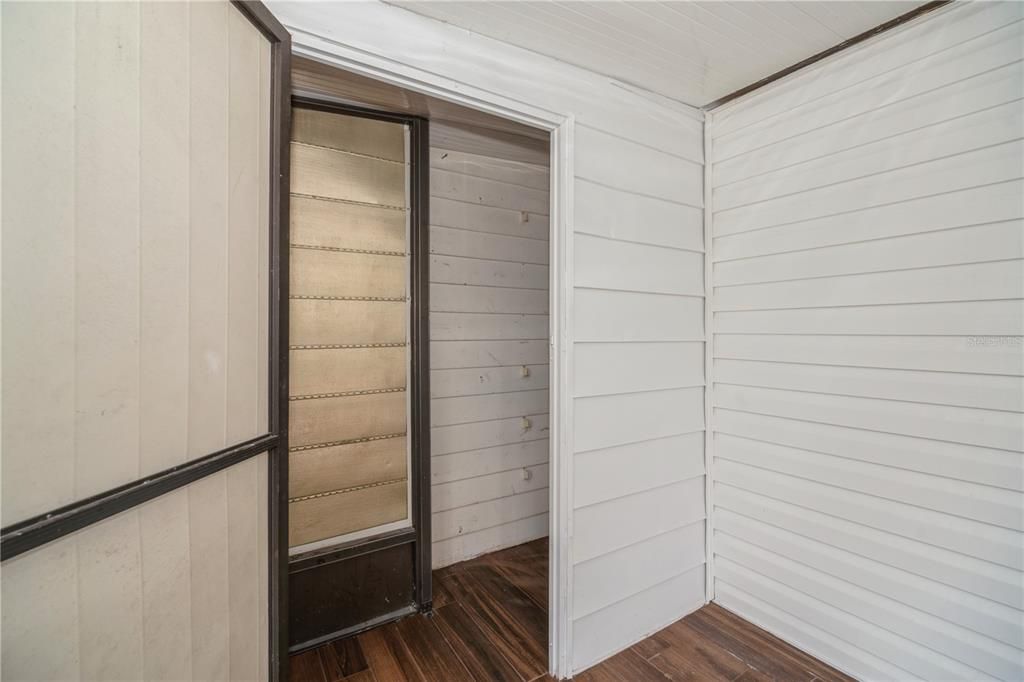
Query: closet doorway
[(486, 462)]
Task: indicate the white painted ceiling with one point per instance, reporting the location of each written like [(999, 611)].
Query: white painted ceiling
[(694, 52)]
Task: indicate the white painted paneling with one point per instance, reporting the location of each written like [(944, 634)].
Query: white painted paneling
[(869, 391), (150, 593), (638, 179), (695, 52), (489, 361), (135, 335)]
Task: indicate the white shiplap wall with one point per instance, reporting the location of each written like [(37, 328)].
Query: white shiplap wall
[(489, 323), (135, 226), (868, 313), (638, 528)]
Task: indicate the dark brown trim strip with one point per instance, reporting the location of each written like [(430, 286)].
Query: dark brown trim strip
[(355, 630), (420, 397), (21, 537), (859, 38), (319, 557)]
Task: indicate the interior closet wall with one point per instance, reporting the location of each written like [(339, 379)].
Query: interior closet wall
[(489, 341), (135, 234), (868, 386), (636, 316)]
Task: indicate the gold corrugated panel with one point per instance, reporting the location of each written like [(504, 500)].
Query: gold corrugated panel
[(319, 222), (320, 322), (338, 175), (339, 274), (326, 420), (338, 370), (345, 466), (319, 518), (349, 312), (349, 133)]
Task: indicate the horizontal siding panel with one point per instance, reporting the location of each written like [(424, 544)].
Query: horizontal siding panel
[(609, 264), (971, 206), (451, 242), (959, 98), (990, 543), (485, 192), (613, 524), (461, 465), (601, 475), (338, 370), (628, 316), (464, 298), (458, 354), (506, 221), (617, 214), (636, 617), (934, 353), (807, 637), (992, 126), (974, 282), (982, 52), (868, 311), (960, 571), (455, 270), (465, 437), (490, 167), (604, 368), (612, 577), (956, 424), (978, 244), (469, 545), (995, 506), (970, 169), (490, 514), (980, 320), (738, 584), (944, 388), (626, 165), (482, 327), (915, 43), (968, 652), (447, 496), (604, 421), (495, 406), (447, 383), (979, 615), (986, 466)]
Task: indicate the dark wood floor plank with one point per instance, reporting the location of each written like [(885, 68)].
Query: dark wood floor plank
[(342, 659), (434, 656), (512, 621), (762, 638), (490, 623), (771, 658), (526, 567), (627, 665), (306, 667), (383, 661), (687, 655), (472, 646)]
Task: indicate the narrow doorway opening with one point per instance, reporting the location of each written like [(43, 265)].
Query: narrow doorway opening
[(489, 376)]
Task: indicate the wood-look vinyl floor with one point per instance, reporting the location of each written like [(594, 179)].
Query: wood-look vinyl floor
[(490, 624)]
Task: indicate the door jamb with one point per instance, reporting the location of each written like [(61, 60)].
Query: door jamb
[(561, 128)]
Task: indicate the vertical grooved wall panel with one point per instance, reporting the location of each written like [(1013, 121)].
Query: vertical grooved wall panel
[(135, 300)]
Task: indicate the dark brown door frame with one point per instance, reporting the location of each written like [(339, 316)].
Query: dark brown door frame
[(419, 430)]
